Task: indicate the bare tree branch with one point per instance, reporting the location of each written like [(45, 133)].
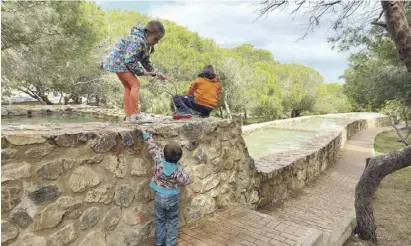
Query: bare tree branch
[(381, 24)]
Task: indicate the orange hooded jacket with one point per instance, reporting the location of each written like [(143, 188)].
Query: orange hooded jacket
[(206, 92)]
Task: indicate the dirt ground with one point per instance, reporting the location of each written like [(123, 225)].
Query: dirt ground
[(392, 205)]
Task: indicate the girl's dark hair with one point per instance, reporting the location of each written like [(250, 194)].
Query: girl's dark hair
[(155, 27), (173, 152)]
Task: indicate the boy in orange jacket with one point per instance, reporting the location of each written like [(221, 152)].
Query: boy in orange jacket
[(203, 96)]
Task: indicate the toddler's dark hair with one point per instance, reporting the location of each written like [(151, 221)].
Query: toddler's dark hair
[(173, 152), (208, 69)]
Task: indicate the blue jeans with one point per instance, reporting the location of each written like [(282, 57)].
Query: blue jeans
[(185, 104), (166, 219)]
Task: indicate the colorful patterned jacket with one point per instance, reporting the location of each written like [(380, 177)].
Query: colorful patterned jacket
[(167, 176), (128, 52)]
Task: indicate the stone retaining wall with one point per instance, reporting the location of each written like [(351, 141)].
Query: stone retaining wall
[(279, 175), (88, 184)]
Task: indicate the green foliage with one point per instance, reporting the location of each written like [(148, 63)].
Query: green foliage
[(397, 108), (331, 99)]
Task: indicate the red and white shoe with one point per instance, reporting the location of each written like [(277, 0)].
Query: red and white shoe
[(178, 116)]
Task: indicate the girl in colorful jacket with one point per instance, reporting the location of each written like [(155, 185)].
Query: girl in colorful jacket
[(124, 60)]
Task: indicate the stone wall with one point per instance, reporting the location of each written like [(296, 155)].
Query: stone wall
[(279, 175), (88, 184)]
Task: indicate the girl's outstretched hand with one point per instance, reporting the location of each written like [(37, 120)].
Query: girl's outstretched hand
[(161, 76)]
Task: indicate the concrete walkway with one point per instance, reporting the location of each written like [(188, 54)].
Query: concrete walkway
[(320, 207)]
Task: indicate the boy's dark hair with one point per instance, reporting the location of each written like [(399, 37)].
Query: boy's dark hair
[(173, 152), (208, 69)]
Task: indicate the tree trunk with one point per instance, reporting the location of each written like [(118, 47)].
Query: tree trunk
[(97, 101), (295, 113), (45, 99), (227, 108), (378, 167), (221, 112), (61, 97), (398, 28), (66, 100)]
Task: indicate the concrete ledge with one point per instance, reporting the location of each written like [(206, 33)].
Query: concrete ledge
[(343, 231), (316, 238)]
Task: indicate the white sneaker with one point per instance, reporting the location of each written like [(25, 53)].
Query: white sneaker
[(135, 118)]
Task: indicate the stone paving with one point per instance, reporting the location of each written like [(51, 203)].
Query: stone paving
[(321, 206)]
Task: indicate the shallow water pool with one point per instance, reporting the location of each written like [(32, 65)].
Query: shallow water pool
[(271, 140), (49, 119)]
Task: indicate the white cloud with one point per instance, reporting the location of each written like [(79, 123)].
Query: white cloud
[(234, 23)]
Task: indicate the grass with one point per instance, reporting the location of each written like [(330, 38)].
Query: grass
[(392, 204), (388, 141)]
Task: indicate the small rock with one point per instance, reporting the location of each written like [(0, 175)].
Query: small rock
[(83, 178), (123, 195), (8, 231), (201, 171), (70, 140), (37, 152), (10, 196), (223, 123), (205, 203), (64, 236), (199, 156), (111, 219), (253, 197), (216, 165), (143, 192), (41, 193), (224, 188), (94, 238), (8, 154), (49, 217), (53, 170), (137, 167), (95, 159), (25, 139), (223, 200), (192, 131), (104, 143), (89, 218), (196, 186), (125, 237), (134, 216), (166, 131), (30, 239), (116, 166), (214, 192), (229, 164), (15, 171), (103, 194), (73, 207), (211, 182), (144, 228), (21, 218)]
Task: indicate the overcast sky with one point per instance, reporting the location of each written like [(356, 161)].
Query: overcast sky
[(232, 23)]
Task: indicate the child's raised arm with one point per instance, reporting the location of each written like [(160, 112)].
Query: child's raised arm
[(152, 148)]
